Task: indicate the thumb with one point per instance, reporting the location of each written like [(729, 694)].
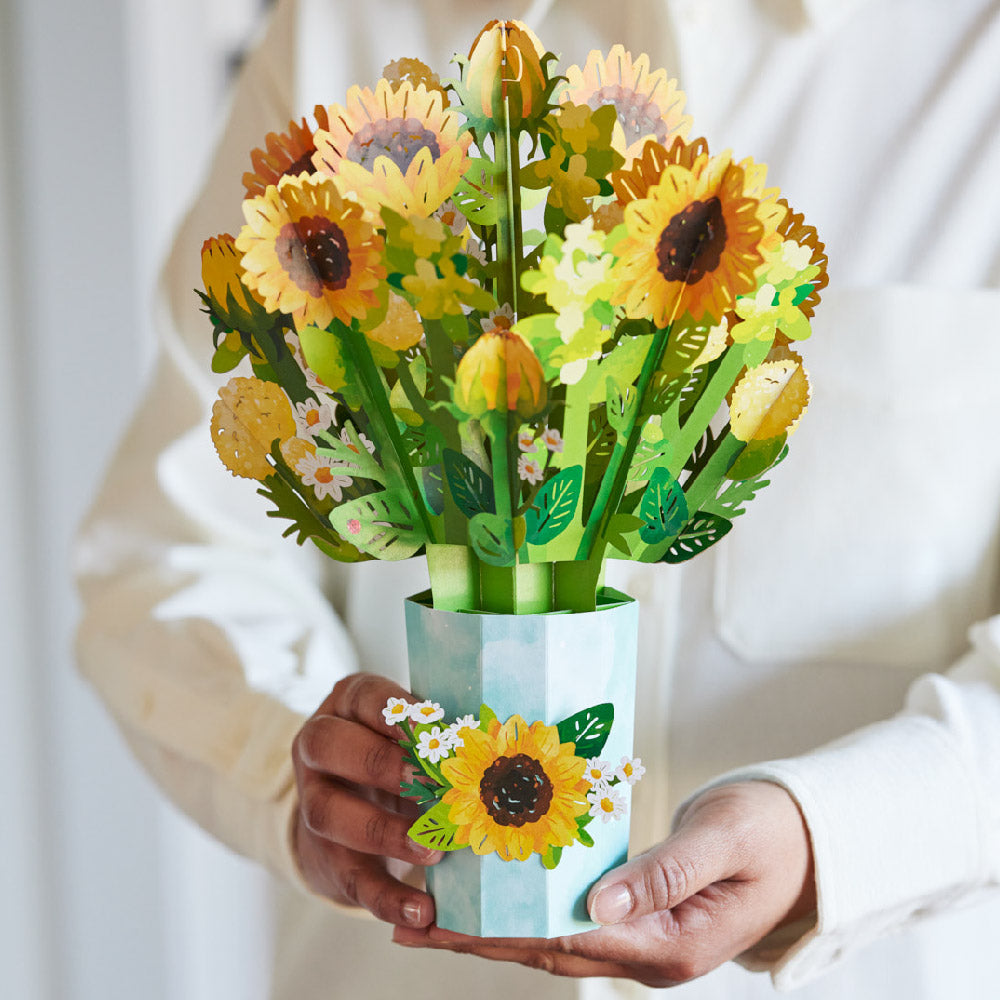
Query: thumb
[(701, 852)]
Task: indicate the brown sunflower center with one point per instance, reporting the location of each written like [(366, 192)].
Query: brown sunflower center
[(692, 242), (516, 790), (637, 114), (326, 250), (303, 165), (398, 138)]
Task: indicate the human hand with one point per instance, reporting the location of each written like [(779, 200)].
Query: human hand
[(351, 819), (738, 866)]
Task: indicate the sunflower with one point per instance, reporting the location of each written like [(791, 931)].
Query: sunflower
[(633, 182), (515, 789), (310, 253), (286, 154), (793, 227), (693, 244), (649, 105), (398, 148)]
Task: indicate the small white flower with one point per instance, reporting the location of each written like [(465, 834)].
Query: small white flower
[(346, 438), (598, 773), (526, 440), (499, 319), (606, 803), (311, 417), (630, 770), (450, 215), (396, 711), (434, 745), (319, 473), (426, 711), (466, 722), (552, 439), (530, 469)]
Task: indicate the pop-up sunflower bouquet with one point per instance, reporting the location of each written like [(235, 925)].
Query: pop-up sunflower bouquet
[(518, 322)]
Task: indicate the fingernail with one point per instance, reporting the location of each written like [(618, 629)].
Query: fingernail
[(426, 855), (612, 904), (411, 914)]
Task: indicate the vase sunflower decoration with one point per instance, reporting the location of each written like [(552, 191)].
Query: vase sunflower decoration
[(518, 322)]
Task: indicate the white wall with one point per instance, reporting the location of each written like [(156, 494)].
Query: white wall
[(106, 891)]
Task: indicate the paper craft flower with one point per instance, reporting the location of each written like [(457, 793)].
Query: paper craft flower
[(312, 417), (426, 711), (598, 773), (397, 710), (285, 154), (500, 356), (649, 105), (309, 252), (247, 418), (395, 148), (235, 304), (321, 473), (630, 770), (606, 803), (693, 244), (435, 745), (515, 790)]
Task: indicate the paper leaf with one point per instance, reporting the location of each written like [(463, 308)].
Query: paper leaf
[(435, 830), (684, 346), (353, 458), (486, 716), (622, 405), (492, 539), (701, 532), (551, 857), (756, 458), (618, 527), (325, 356), (554, 507), (421, 792), (380, 524), (432, 488), (732, 501), (581, 832), (588, 730), (663, 508), (471, 488)]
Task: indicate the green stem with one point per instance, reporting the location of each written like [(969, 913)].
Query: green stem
[(615, 476), (509, 236), (383, 423)]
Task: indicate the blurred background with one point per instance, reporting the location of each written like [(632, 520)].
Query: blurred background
[(107, 112)]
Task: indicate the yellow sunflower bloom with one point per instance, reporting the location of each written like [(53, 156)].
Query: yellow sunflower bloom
[(310, 253), (649, 105), (398, 148), (693, 244), (516, 790)]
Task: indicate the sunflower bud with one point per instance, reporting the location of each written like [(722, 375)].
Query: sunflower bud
[(506, 62), (234, 305), (500, 355)]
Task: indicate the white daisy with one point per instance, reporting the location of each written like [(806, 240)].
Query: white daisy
[(530, 469), (552, 439), (318, 472), (526, 440), (450, 215), (311, 417), (434, 745), (606, 803), (499, 319), (426, 711), (396, 711), (630, 770), (466, 722), (598, 773)]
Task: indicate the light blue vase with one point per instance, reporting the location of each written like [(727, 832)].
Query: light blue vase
[(543, 667)]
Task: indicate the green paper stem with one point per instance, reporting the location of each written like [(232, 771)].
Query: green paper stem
[(410, 743), (385, 430), (615, 477), (509, 235)]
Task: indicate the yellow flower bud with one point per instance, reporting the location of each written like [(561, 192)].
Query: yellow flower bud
[(505, 61), (238, 307), (500, 356)]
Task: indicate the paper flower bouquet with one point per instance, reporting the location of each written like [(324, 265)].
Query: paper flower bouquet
[(519, 322)]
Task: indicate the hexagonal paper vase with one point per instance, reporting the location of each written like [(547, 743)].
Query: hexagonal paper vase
[(543, 667)]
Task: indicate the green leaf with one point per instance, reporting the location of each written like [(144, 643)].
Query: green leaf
[(486, 716), (471, 488), (435, 830), (421, 792), (663, 508), (732, 501), (701, 532), (325, 355), (555, 506), (380, 524), (622, 405), (756, 458), (581, 832), (618, 527), (588, 730), (352, 459), (432, 487), (551, 857), (686, 342), (492, 539)]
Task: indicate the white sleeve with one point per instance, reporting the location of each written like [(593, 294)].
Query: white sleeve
[(904, 816), (204, 631)]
